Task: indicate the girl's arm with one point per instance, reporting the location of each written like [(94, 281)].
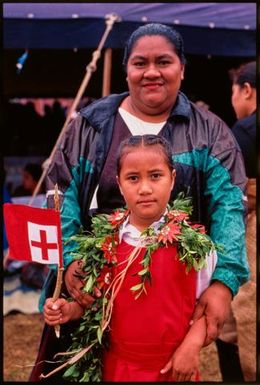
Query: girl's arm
[(61, 311), (185, 360)]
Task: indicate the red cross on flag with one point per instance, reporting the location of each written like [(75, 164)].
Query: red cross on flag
[(33, 234)]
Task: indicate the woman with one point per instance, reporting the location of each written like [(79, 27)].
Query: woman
[(208, 165)]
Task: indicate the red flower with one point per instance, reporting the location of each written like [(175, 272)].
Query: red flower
[(169, 233), (177, 216), (201, 228), (109, 246), (104, 278), (118, 217)]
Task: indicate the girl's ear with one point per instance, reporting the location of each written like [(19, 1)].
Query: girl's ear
[(117, 179), (173, 177)]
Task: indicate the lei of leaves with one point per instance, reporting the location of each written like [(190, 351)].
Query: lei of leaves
[(97, 254)]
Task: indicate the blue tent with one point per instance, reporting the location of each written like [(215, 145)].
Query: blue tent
[(225, 29)]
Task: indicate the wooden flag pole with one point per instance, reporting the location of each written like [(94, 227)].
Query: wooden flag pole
[(57, 290)]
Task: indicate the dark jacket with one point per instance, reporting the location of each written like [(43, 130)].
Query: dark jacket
[(209, 167)]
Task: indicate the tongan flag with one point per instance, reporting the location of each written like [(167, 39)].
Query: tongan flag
[(33, 234)]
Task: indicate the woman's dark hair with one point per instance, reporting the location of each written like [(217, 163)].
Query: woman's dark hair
[(246, 73), (145, 141), (155, 29)]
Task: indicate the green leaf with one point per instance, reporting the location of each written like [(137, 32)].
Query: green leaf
[(89, 284), (70, 371), (136, 287), (142, 272), (99, 335)]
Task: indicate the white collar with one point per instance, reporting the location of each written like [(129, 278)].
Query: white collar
[(131, 234)]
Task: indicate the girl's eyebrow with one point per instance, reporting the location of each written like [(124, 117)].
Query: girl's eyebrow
[(131, 173), (155, 169), (149, 171)]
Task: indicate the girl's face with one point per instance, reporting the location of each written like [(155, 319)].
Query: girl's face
[(154, 74), (145, 181)]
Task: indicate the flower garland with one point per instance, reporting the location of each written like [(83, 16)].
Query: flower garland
[(97, 255)]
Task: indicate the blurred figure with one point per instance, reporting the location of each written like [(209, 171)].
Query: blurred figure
[(244, 103), (236, 343), (30, 174)]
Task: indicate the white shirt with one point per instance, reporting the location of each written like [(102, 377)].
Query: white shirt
[(131, 235), (138, 126)]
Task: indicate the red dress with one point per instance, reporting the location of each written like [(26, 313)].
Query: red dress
[(146, 331)]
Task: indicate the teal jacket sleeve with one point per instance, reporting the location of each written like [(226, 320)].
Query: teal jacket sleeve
[(225, 193)]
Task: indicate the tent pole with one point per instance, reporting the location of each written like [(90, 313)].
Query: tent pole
[(107, 72), (91, 67)]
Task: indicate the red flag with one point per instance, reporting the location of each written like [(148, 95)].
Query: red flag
[(33, 234)]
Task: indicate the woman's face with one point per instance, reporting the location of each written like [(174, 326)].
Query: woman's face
[(154, 75)]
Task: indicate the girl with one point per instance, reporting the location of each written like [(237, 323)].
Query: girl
[(150, 337)]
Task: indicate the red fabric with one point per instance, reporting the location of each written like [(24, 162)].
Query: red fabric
[(145, 332), (44, 222)]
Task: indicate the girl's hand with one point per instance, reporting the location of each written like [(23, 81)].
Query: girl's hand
[(61, 311), (214, 303), (184, 364)]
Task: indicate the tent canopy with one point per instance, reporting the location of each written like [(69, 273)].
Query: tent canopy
[(227, 29)]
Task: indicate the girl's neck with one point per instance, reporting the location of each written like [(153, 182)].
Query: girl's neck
[(142, 224)]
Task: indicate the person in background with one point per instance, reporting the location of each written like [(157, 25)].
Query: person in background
[(30, 176), (236, 343), (244, 100), (209, 168)]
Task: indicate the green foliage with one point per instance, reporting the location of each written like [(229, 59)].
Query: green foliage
[(182, 203)]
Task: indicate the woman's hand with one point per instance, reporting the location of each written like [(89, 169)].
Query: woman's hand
[(184, 363), (74, 280), (214, 303)]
